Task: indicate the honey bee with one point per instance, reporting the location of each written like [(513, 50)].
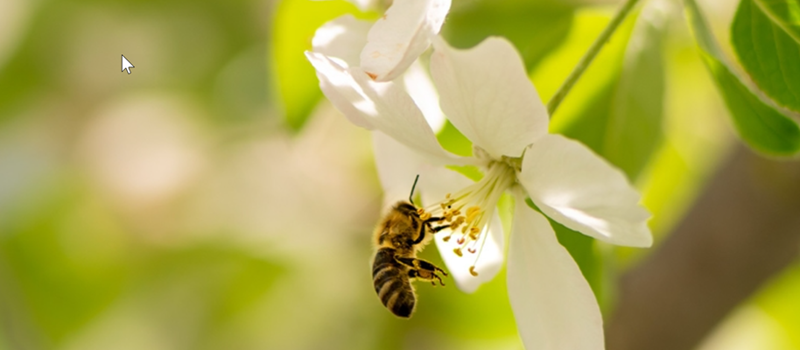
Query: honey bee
[(403, 232)]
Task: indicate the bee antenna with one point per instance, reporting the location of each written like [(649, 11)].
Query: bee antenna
[(411, 195)]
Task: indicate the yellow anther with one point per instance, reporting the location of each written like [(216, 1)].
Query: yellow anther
[(474, 230), (473, 236), (454, 226), (464, 229), (446, 238), (447, 196), (458, 252), (472, 271), (473, 209), (425, 216), (444, 206), (472, 214)]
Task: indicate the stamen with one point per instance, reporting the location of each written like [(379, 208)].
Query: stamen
[(458, 252), (472, 271)]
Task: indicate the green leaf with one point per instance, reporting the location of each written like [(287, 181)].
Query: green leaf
[(759, 124), (584, 113), (634, 128), (534, 27), (785, 13), (768, 54), (779, 300), (293, 28)]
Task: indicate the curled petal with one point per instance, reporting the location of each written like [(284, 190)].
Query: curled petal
[(382, 106), (401, 35), (486, 94), (577, 188), (553, 304), (343, 38)]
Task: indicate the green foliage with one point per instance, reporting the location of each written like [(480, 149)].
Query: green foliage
[(293, 28), (534, 27), (779, 300), (634, 128), (616, 108), (71, 261), (768, 54), (759, 124), (785, 13)]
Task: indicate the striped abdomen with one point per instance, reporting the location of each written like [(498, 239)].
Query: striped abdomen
[(392, 283)]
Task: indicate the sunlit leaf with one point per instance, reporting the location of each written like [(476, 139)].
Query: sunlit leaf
[(534, 27), (583, 114), (768, 54), (759, 124), (634, 127), (779, 300), (293, 28), (785, 13)]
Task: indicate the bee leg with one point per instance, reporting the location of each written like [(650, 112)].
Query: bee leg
[(439, 228), (425, 275), (426, 223), (419, 264)]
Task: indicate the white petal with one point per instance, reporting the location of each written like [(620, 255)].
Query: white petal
[(553, 304), (382, 106), (341, 89), (435, 185), (486, 94), (401, 35), (343, 38), (365, 5), (397, 167), (577, 188), (420, 87)]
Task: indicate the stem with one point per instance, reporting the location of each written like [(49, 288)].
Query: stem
[(589, 56)]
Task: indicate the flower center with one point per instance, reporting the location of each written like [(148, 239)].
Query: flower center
[(469, 211)]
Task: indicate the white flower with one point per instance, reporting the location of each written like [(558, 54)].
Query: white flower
[(394, 41), (486, 95)]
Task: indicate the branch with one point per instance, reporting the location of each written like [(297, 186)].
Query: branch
[(743, 230)]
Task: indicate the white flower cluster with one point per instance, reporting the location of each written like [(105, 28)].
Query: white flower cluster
[(369, 71)]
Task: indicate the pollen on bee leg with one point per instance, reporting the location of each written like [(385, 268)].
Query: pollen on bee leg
[(472, 271), (425, 216)]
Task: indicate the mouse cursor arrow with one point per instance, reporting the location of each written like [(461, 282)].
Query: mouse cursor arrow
[(126, 65)]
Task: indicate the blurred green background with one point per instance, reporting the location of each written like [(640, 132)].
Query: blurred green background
[(213, 200)]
